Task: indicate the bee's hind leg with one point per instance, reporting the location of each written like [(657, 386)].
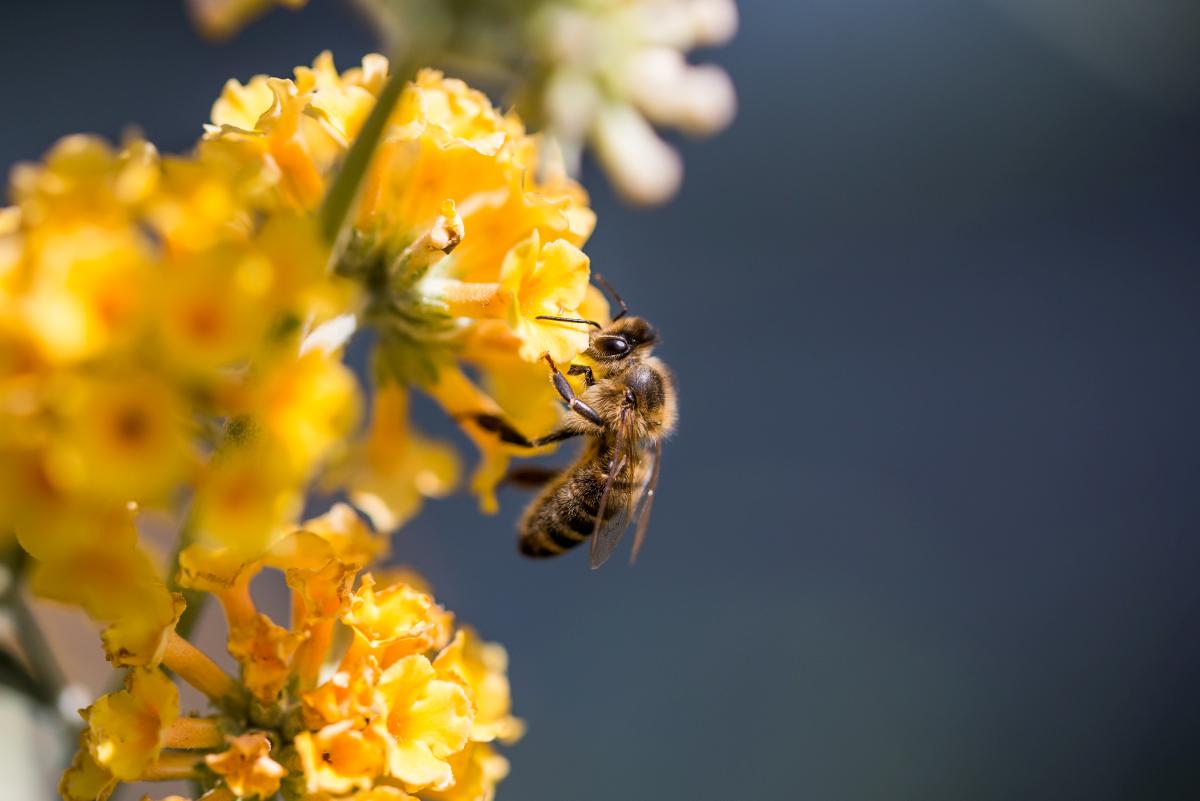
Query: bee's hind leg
[(498, 425), (530, 476)]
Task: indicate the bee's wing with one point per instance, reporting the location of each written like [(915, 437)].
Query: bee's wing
[(624, 467), (647, 502)]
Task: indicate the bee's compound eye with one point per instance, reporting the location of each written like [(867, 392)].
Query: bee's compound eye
[(612, 346)]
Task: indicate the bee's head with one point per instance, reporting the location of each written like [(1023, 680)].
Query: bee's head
[(621, 338)]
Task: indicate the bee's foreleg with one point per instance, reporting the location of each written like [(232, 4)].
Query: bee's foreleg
[(568, 395), (585, 371)]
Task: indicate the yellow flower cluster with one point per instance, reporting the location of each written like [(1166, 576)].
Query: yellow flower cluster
[(145, 304), (410, 706)]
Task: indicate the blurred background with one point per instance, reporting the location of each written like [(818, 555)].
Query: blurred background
[(928, 529)]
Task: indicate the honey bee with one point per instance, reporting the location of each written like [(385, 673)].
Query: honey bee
[(626, 410)]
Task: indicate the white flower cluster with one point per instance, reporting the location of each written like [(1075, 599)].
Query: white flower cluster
[(615, 69)]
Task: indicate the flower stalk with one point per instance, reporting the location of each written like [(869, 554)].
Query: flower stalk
[(44, 681), (197, 669), (191, 732), (341, 199), (173, 766), (195, 600)]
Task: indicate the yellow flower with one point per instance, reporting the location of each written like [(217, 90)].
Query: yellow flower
[(246, 766), (211, 312), (345, 100), (48, 520), (349, 694), (482, 667), (350, 538), (395, 622), (389, 473), (125, 728), (83, 179), (241, 105), (429, 719), (295, 141), (323, 592), (86, 779), (221, 18), (319, 597), (477, 771), (550, 280), (226, 573), (264, 650), (300, 281), (139, 637), (411, 179), (340, 758), (83, 267), (219, 302), (307, 405), (246, 498), (86, 290), (135, 426), (106, 577), (203, 200), (499, 221)]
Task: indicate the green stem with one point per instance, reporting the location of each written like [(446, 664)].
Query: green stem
[(342, 198), (46, 678), (195, 599), (236, 432)]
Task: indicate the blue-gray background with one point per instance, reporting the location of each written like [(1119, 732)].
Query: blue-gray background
[(929, 526)]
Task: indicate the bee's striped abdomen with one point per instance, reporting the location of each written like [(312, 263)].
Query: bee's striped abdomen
[(565, 513)]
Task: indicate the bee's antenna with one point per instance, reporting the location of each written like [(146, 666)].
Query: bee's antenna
[(569, 320), (608, 288)]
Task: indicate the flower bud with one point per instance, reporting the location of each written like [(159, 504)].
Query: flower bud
[(645, 169), (714, 22)]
